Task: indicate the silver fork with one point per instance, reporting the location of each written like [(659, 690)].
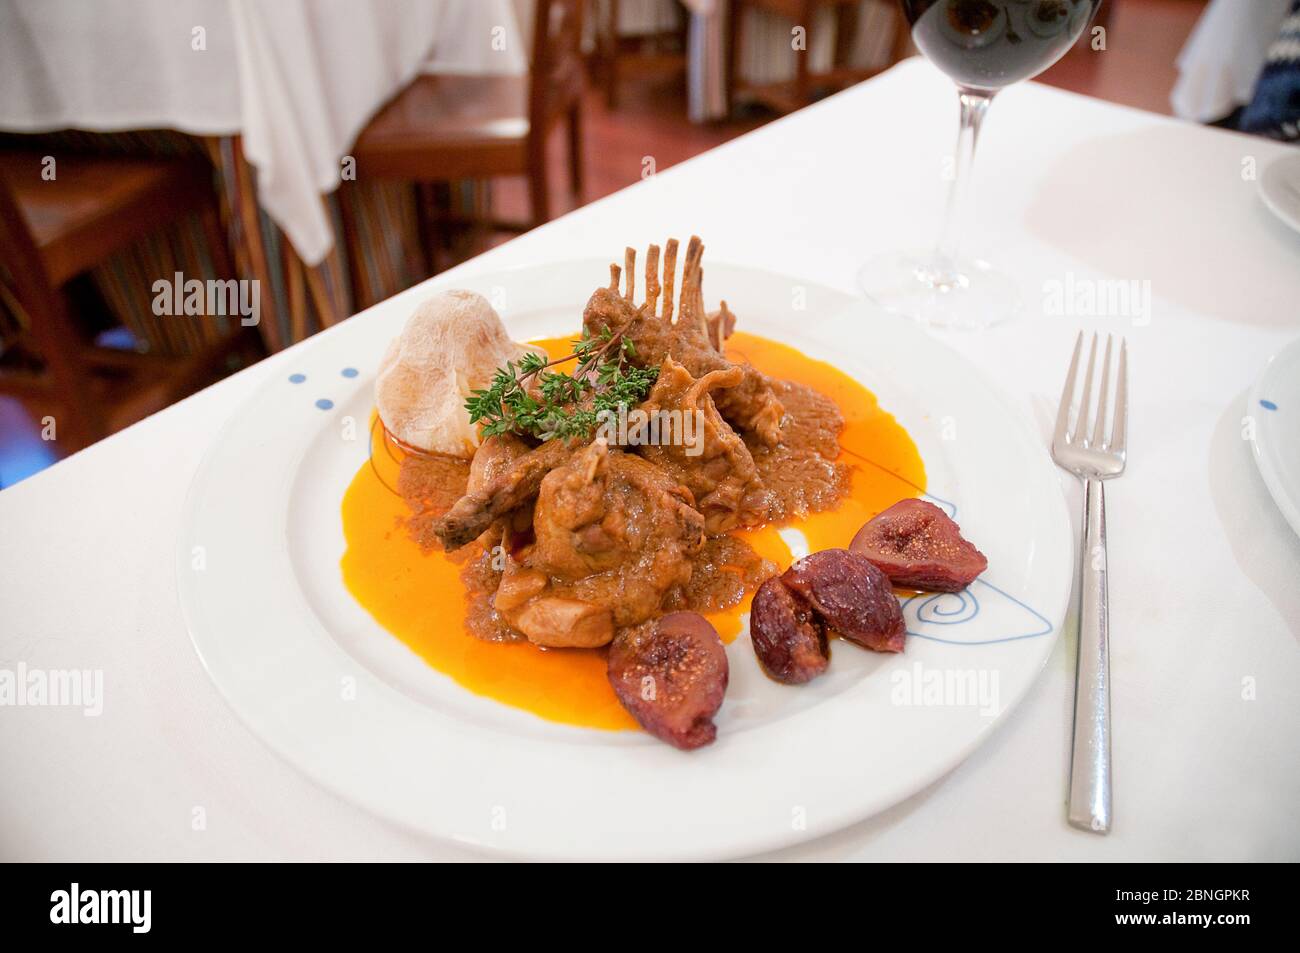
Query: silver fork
[(1094, 458)]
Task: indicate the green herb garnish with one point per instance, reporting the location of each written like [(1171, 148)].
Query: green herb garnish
[(565, 405)]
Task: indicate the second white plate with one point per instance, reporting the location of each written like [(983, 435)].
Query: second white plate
[(1274, 405), (1279, 187)]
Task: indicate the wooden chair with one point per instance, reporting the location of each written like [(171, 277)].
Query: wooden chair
[(787, 97), (448, 127), (614, 54), (52, 231)]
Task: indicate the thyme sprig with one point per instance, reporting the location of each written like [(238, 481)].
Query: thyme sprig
[(563, 405)]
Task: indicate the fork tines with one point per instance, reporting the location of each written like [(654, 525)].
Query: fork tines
[(1078, 437)]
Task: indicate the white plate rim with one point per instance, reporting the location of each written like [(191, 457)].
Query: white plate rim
[(1272, 179), (1264, 449)]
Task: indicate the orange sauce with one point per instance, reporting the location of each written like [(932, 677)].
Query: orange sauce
[(419, 597)]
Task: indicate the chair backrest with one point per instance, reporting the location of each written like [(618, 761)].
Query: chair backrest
[(51, 327), (18, 256), (22, 259), (558, 72)]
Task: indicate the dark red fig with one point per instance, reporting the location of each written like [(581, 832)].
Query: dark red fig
[(787, 635), (671, 674), (851, 596), (916, 545)]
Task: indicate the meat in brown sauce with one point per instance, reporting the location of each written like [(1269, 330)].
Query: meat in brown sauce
[(715, 465), (430, 484), (801, 473), (493, 458), (515, 485), (723, 572), (614, 536), (751, 404), (481, 578)]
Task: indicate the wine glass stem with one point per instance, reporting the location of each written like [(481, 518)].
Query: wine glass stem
[(974, 104)]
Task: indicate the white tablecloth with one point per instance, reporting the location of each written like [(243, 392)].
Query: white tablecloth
[(1221, 61), (298, 79), (1204, 570)]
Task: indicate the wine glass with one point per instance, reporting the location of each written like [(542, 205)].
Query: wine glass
[(983, 45)]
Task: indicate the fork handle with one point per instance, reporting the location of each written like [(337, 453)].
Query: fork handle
[(1090, 762)]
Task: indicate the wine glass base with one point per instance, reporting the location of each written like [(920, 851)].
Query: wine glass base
[(972, 297)]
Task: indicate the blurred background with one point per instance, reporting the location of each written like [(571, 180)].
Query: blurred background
[(187, 186)]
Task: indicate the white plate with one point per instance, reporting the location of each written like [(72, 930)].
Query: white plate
[(1279, 187), (1275, 408), (283, 639)]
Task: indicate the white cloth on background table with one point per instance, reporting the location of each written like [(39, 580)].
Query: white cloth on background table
[(1219, 64), (296, 79), (1203, 567)]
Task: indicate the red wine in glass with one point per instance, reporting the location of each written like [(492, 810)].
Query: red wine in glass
[(983, 45), (987, 44)]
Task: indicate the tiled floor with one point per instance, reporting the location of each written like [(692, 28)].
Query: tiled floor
[(1136, 69)]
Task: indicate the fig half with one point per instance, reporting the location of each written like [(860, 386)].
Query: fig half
[(850, 596), (788, 637), (918, 546), (671, 674)]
